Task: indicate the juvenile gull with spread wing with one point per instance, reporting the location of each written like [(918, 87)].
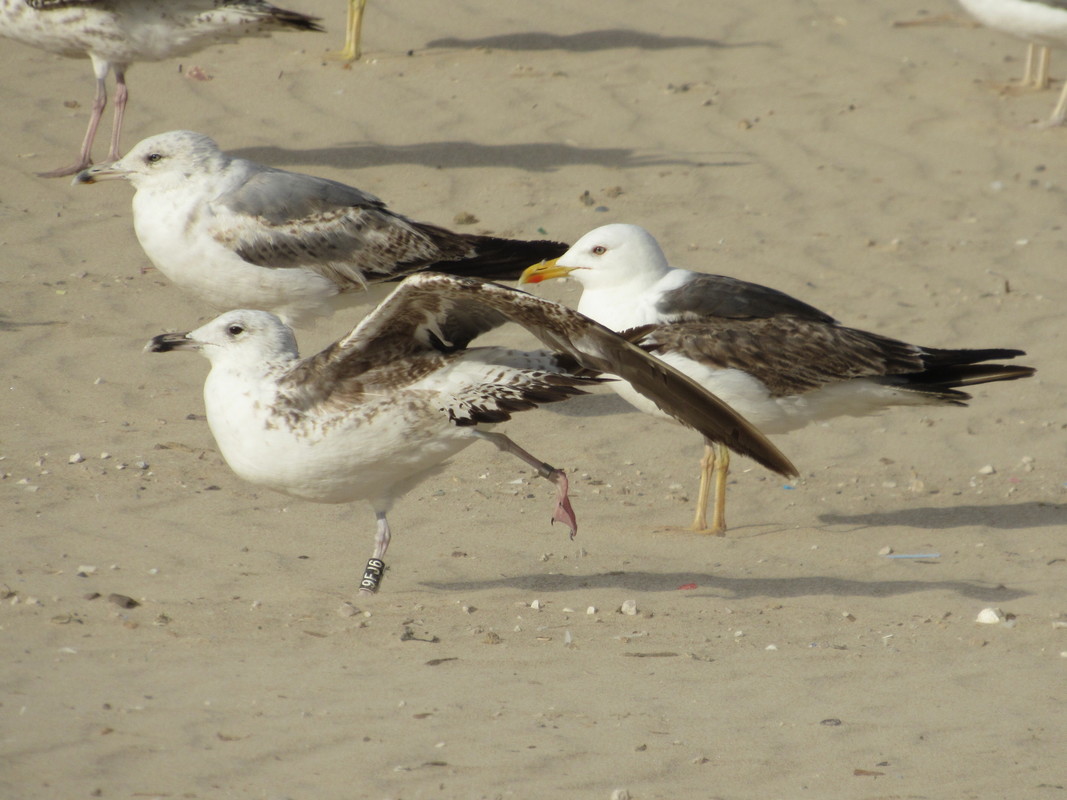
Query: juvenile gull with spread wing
[(780, 362), (116, 33), (377, 411), (237, 234)]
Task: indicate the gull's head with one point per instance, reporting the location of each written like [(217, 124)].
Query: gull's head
[(166, 158), (245, 336), (611, 255)]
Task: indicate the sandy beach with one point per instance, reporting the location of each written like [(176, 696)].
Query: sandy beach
[(885, 173)]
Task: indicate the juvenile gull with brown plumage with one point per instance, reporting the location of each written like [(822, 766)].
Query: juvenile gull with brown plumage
[(116, 33), (780, 362), (237, 234), (378, 411)]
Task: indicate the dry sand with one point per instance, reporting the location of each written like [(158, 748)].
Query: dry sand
[(879, 172)]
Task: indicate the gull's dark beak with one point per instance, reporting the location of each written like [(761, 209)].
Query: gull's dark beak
[(166, 342), (102, 172)]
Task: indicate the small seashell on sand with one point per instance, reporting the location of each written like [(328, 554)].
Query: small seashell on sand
[(990, 616)]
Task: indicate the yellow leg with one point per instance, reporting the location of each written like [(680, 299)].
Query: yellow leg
[(1059, 113), (714, 469), (353, 31), (1037, 66)]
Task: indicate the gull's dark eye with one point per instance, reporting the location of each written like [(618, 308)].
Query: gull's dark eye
[(599, 250), (152, 158), (235, 330)]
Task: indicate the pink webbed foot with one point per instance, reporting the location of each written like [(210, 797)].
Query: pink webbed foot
[(563, 512)]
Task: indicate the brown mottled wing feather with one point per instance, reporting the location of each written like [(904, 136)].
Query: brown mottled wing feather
[(290, 220), (516, 389), (789, 355), (595, 348), (262, 11), (405, 338)]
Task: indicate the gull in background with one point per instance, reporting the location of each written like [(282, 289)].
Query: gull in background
[(236, 234), (779, 362), (379, 410), (116, 33), (1042, 24)]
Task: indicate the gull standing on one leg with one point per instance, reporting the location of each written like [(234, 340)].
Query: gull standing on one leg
[(381, 409)]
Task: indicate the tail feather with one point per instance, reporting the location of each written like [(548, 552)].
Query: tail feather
[(940, 357), (496, 259), (293, 19), (488, 258), (942, 380)]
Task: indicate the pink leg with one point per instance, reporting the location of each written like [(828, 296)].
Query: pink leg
[(563, 512), (122, 94), (101, 69)]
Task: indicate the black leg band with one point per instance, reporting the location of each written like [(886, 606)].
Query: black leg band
[(372, 575)]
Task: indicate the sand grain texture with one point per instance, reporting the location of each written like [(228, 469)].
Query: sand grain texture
[(871, 170)]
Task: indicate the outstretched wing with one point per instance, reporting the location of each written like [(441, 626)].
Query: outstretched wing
[(405, 338), (429, 310)]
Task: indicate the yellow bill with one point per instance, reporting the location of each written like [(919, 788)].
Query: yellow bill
[(545, 271)]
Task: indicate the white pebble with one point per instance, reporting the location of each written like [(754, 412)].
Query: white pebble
[(771, 647), (77, 458), (85, 569), (629, 608), (620, 794), (536, 605), (988, 469), (591, 610), (990, 616), (886, 551)]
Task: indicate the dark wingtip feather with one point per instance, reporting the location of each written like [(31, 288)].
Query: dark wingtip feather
[(497, 259), (296, 20)]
